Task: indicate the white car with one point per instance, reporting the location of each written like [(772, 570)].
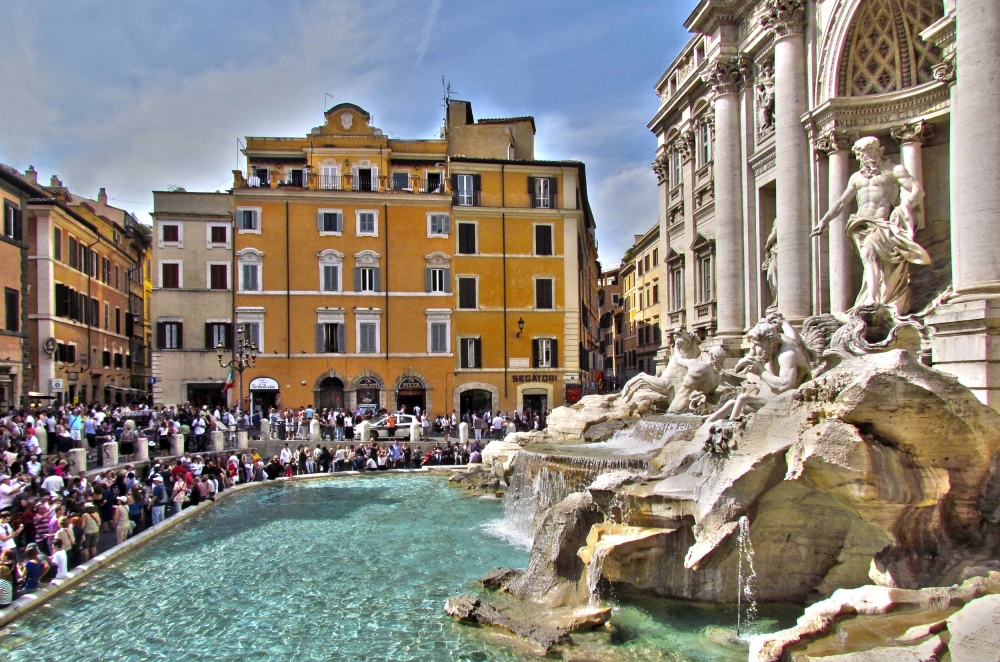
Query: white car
[(379, 431)]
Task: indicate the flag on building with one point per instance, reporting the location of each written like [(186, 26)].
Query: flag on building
[(230, 380)]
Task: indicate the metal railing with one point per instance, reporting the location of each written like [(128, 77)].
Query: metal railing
[(364, 184), (331, 182), (253, 181), (432, 186)]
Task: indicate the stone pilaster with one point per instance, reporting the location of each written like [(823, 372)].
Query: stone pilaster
[(785, 19), (726, 76), (966, 339)]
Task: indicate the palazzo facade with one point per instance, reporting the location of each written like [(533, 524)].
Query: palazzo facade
[(758, 116)]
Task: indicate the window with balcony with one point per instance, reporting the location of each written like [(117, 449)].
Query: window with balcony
[(366, 179), (330, 178), (400, 181), (466, 189), (297, 177), (434, 183), (260, 177)]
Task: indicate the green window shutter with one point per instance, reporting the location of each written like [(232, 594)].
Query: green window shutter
[(357, 279), (319, 221), (465, 353), (531, 191), (378, 279), (208, 337), (428, 279), (447, 281), (534, 353), (479, 352), (447, 224), (341, 338), (180, 335), (320, 332), (553, 193), (555, 352)]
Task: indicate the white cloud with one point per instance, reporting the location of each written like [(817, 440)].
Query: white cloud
[(625, 204)]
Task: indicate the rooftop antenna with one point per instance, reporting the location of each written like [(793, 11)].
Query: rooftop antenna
[(446, 92), (325, 95)]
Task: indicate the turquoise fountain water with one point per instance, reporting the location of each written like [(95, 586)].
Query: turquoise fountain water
[(338, 569)]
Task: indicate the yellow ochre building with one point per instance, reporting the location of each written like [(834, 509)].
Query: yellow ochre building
[(454, 273)]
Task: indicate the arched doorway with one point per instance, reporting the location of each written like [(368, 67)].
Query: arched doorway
[(476, 400), (411, 393), (368, 393), (331, 394)]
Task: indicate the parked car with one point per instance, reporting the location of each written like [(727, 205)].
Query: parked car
[(403, 421)]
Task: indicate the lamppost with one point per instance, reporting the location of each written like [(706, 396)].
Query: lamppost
[(244, 356)]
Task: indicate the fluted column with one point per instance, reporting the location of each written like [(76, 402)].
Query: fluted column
[(786, 20), (725, 75), (837, 147), (911, 139)]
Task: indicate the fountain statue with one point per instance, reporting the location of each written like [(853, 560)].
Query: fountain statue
[(884, 226)]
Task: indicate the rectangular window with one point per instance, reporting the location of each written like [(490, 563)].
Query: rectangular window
[(440, 224), (656, 255), (439, 280), (366, 333), (472, 352), (330, 178), (641, 304), (400, 181), (543, 240), (247, 219), (170, 277), (57, 244), (676, 177), (171, 233), (331, 221), (220, 234), (645, 263), (297, 177), (544, 352), (331, 339), (656, 293), (74, 254), (366, 276), (543, 193), (330, 278), (465, 193), (251, 282), (439, 337), (216, 333), (218, 276), (261, 177), (107, 316), (366, 222), (676, 288), (364, 180), (543, 293), (118, 320), (105, 270), (251, 331), (704, 144), (705, 284), (106, 359), (119, 361), (467, 293), (467, 238), (12, 308), (433, 184)]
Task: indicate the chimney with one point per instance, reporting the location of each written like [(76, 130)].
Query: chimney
[(55, 181), (102, 196), (31, 174)]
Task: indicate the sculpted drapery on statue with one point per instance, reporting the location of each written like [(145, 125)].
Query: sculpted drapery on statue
[(883, 228)]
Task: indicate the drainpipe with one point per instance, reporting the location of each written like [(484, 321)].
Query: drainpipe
[(385, 211), (288, 293), (503, 233), (90, 278)]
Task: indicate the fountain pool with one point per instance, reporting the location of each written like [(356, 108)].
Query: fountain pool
[(325, 569)]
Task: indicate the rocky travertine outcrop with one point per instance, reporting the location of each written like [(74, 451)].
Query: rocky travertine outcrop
[(554, 569), (881, 470), (969, 613)]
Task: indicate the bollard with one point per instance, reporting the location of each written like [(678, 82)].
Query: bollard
[(463, 433), (109, 454), (414, 432), (216, 441), (77, 461), (265, 429), (242, 439), (365, 430), (140, 450), (177, 444), (314, 430)]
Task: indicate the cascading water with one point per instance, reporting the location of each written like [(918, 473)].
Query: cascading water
[(539, 481), (746, 577), (594, 573), (641, 437)]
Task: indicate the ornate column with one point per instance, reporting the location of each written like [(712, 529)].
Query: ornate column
[(838, 149), (911, 139), (725, 75), (786, 20)]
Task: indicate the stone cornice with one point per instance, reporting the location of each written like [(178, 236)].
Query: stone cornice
[(878, 112), (762, 161)]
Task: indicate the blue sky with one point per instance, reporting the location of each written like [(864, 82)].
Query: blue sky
[(146, 95)]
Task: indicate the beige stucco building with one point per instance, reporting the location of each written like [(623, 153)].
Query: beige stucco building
[(758, 116), (192, 295)]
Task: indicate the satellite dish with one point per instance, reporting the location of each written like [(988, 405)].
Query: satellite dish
[(50, 346)]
